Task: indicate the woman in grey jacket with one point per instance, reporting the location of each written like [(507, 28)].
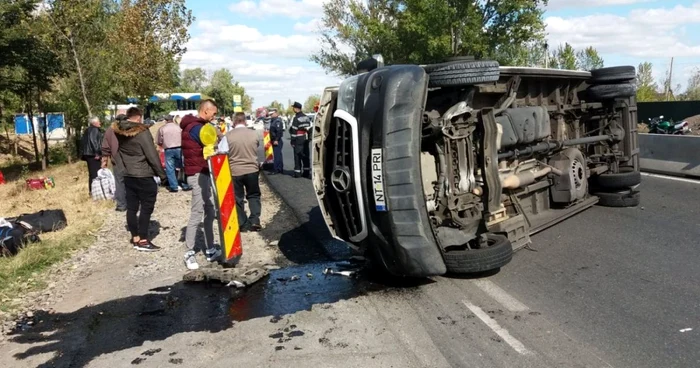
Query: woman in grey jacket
[(140, 164)]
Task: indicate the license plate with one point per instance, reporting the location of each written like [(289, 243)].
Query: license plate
[(378, 180)]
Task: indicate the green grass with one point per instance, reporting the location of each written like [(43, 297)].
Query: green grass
[(25, 272)]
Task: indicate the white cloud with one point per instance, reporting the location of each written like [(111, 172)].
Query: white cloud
[(270, 67), (289, 8), (643, 33), (308, 27), (563, 4)]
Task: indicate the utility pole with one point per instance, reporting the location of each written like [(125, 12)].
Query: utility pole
[(546, 55), (670, 80)]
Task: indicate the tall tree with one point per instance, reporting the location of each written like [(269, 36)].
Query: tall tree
[(423, 31), (222, 87), (277, 106), (310, 102), (81, 30), (31, 65), (564, 57), (193, 80), (647, 90), (692, 92), (152, 35), (589, 59), (531, 54)]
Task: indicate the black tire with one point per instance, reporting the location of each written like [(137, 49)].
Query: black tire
[(624, 198), (612, 91), (626, 178), (497, 255), (614, 74), (462, 73)]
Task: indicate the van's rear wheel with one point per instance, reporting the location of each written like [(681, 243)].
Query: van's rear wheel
[(497, 253)]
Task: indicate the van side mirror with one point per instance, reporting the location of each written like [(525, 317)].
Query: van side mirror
[(376, 61)]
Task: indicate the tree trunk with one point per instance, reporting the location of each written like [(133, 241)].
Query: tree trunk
[(30, 114), (45, 134), (69, 139), (79, 69)]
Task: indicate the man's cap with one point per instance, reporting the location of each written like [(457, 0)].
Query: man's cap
[(297, 105), (169, 118)]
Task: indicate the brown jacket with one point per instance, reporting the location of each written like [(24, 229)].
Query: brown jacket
[(110, 145), (138, 157), (243, 146)]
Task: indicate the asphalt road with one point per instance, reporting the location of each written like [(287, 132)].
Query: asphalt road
[(608, 287)]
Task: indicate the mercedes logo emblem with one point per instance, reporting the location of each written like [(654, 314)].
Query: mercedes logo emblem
[(340, 179)]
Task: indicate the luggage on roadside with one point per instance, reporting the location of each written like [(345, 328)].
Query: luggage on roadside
[(104, 185), (40, 183), (43, 221), (15, 237)]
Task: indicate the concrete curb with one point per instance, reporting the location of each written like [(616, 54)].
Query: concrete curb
[(677, 155)]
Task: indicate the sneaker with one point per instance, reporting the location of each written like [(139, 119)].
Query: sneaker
[(171, 190), (146, 246), (255, 227), (191, 261), (213, 254)]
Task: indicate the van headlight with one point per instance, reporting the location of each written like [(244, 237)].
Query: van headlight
[(347, 94)]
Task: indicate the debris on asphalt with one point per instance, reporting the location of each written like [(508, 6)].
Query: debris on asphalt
[(686, 330), (238, 277), (236, 283), (310, 275), (294, 278), (330, 271)]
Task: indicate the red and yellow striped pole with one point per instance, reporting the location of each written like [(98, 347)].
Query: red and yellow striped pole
[(226, 204), (269, 153)]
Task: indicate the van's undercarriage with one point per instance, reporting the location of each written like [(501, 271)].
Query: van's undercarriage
[(475, 160)]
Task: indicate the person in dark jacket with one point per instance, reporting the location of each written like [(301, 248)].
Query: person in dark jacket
[(140, 164), (300, 131), (197, 171), (276, 134), (110, 148), (91, 149)]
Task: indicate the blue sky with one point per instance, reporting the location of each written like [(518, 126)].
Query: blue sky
[(267, 43)]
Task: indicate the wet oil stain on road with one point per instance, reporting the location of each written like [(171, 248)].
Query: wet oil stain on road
[(299, 288)]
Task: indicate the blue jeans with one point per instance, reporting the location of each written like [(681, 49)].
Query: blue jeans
[(173, 160), (277, 156)]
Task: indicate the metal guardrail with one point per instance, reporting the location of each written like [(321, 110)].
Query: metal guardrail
[(677, 155)]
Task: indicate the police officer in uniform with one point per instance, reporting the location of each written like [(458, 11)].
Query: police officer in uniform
[(300, 132), (276, 134)]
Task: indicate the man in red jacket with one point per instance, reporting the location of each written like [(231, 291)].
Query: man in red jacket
[(197, 171)]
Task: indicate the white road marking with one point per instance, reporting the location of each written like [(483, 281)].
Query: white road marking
[(685, 180), (686, 330), (494, 291), (500, 331)]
